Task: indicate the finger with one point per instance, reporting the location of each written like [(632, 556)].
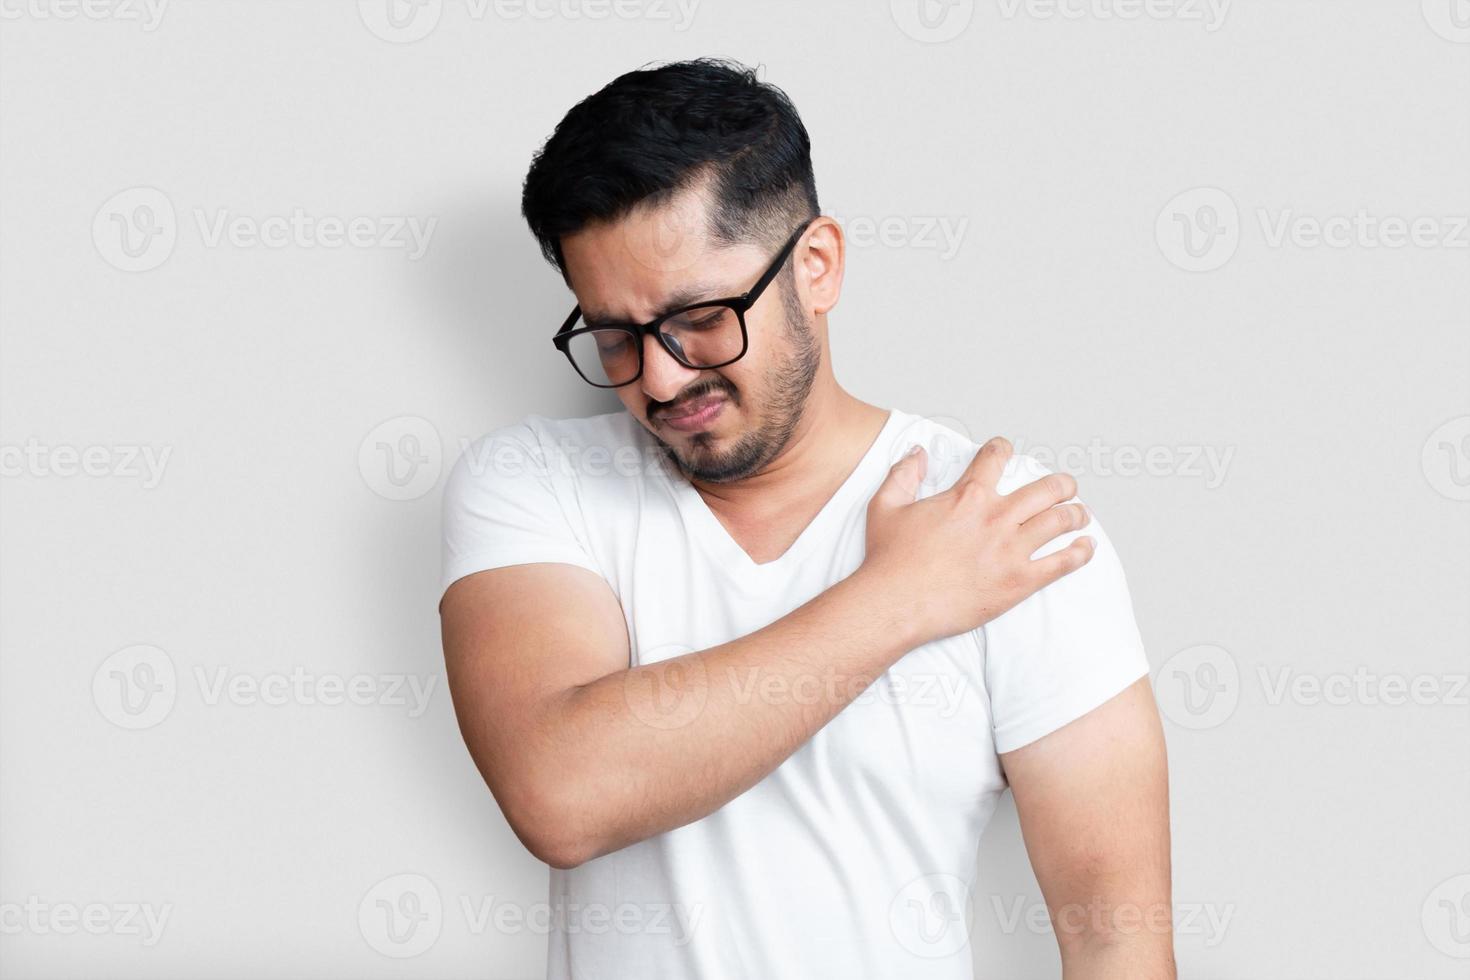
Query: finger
[(1035, 497), (988, 464), (1064, 562), (901, 486), (1052, 523)]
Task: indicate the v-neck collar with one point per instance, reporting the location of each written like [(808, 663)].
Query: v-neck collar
[(724, 549)]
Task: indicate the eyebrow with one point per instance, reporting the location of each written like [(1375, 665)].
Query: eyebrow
[(686, 296)]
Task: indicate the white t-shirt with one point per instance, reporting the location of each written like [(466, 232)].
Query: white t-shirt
[(856, 857)]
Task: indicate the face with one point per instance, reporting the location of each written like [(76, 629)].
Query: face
[(718, 424)]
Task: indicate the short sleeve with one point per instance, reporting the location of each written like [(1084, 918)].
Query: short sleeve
[(501, 507), (1065, 650)]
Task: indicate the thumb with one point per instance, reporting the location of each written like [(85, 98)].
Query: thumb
[(902, 483)]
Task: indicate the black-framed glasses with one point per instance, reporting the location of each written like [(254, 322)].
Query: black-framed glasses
[(704, 335)]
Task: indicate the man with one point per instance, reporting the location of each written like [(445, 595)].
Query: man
[(748, 674)]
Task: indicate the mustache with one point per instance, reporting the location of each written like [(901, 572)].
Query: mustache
[(697, 390)]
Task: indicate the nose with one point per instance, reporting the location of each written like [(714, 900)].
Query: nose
[(663, 377)]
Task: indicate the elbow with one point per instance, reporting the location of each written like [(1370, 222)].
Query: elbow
[(561, 852), (555, 829), (1117, 930), (561, 856)]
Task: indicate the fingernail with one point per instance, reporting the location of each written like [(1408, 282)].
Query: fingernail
[(912, 450)]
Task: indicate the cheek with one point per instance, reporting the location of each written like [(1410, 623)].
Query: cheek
[(634, 401), (741, 380), (765, 344), (770, 339)]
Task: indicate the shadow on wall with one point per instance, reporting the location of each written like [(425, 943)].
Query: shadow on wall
[(499, 302), (482, 305)]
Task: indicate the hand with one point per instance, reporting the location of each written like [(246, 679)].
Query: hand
[(962, 557)]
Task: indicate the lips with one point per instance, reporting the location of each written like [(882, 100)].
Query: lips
[(694, 415)]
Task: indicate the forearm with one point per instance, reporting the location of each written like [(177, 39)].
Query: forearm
[(645, 750)]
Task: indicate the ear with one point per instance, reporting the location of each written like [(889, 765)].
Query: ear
[(820, 262)]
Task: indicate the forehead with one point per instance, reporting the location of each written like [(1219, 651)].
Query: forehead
[(654, 258)]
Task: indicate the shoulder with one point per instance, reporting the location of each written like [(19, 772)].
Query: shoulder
[(564, 435), (515, 497), (951, 447), (610, 430), (549, 447)]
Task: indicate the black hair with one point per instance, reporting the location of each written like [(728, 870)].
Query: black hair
[(653, 132)]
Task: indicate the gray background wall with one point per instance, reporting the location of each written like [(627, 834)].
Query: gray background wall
[(1089, 227)]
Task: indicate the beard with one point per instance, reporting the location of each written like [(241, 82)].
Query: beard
[(788, 382)]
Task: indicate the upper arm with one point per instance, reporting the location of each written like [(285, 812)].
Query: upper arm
[(526, 614), (1093, 801), (516, 639)]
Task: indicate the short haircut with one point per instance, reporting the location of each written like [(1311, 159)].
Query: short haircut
[(654, 132)]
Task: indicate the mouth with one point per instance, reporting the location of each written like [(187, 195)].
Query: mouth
[(693, 415)]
